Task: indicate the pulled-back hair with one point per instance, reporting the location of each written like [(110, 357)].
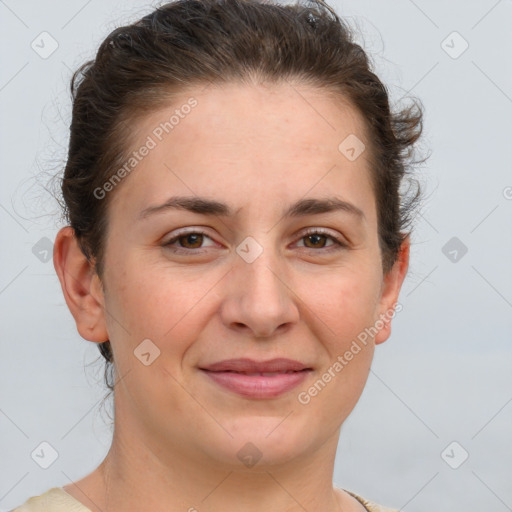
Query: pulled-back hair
[(138, 68)]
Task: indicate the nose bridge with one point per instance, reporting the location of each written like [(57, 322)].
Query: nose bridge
[(261, 277)]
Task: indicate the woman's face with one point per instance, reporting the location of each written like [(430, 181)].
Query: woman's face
[(262, 277)]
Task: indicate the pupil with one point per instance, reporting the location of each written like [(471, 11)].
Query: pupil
[(193, 236), (315, 238)]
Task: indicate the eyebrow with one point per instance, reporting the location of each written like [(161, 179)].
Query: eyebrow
[(204, 206)]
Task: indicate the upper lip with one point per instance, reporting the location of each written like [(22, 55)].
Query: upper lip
[(250, 365)]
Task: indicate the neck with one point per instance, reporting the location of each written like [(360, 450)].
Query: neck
[(161, 474), (177, 482)]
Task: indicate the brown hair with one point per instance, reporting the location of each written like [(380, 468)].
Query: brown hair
[(189, 42)]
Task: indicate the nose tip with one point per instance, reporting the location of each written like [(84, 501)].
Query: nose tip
[(258, 301)]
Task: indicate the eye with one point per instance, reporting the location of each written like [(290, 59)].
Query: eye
[(316, 239), (188, 242)]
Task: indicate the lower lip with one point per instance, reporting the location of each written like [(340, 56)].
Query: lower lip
[(258, 386)]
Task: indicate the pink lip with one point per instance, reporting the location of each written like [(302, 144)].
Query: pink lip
[(246, 365), (244, 376)]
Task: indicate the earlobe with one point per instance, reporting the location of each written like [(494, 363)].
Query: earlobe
[(80, 287), (390, 292)]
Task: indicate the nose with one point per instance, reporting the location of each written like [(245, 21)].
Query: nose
[(258, 300)]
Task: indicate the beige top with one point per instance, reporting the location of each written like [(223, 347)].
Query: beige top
[(57, 499)]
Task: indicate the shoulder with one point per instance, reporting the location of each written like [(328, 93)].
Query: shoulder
[(370, 505), (55, 499)]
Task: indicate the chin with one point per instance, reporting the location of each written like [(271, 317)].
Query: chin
[(261, 442)]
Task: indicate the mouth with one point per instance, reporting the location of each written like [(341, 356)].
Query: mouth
[(257, 380), (246, 365), (264, 374)]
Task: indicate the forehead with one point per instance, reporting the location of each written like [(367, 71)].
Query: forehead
[(285, 113), (248, 141)]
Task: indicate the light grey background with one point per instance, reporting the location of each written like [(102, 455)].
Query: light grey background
[(445, 373)]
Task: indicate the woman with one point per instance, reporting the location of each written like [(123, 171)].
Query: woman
[(236, 247)]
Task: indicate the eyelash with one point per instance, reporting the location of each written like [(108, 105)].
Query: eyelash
[(338, 244)]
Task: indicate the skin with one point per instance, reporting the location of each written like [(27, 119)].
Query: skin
[(177, 434)]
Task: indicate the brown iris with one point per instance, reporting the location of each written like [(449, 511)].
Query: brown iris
[(315, 238), (195, 238)]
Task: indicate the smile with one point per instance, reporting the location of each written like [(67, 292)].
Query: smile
[(258, 385)]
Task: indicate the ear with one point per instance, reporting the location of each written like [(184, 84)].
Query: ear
[(390, 290), (81, 286)]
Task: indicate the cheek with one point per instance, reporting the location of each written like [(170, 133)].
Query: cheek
[(165, 309), (345, 303), (344, 311), (164, 306)]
